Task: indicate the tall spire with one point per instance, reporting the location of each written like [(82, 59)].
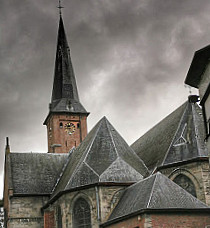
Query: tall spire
[(65, 96)]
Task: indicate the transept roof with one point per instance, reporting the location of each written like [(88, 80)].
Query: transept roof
[(177, 138)]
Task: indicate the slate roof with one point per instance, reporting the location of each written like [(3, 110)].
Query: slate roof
[(103, 156), (65, 96), (155, 192), (34, 173), (177, 138)]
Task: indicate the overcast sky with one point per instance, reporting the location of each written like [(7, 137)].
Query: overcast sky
[(130, 58)]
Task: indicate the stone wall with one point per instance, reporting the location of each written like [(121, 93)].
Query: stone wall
[(102, 200), (25, 212)]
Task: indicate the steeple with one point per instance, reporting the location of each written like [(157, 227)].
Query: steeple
[(67, 118), (65, 96)]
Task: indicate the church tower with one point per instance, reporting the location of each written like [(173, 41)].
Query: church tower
[(67, 119)]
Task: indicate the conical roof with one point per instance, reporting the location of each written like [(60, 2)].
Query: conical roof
[(155, 192), (103, 156), (177, 138), (65, 96)]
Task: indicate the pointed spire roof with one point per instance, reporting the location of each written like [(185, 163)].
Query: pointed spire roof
[(103, 156), (177, 138), (155, 193), (65, 96)]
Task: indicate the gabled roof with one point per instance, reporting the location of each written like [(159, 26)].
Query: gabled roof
[(177, 138), (34, 173), (65, 96), (103, 156), (155, 192), (197, 67)]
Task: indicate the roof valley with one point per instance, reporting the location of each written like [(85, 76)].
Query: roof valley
[(152, 190)]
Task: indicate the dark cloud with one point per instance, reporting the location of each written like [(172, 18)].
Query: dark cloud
[(130, 60)]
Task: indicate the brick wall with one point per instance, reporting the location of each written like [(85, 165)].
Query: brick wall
[(26, 212), (164, 221), (137, 221), (49, 219), (177, 221), (59, 135)]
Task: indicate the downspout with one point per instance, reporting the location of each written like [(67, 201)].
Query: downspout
[(98, 204)]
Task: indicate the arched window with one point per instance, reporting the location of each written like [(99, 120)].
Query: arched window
[(59, 217), (185, 182), (81, 214)]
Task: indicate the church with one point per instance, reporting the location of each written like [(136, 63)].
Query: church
[(95, 179)]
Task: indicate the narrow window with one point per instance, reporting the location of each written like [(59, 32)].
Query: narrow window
[(59, 217), (185, 182), (78, 125), (81, 214), (61, 125)]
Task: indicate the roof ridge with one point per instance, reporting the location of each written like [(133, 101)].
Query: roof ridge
[(150, 197), (196, 129), (92, 169), (172, 141), (63, 170), (81, 159), (111, 136)]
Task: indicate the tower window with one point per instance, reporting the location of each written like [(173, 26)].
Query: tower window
[(61, 125), (81, 214), (78, 125)]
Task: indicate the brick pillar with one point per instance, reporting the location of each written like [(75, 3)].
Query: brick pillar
[(49, 219)]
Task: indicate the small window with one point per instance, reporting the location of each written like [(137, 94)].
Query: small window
[(78, 125), (61, 125)]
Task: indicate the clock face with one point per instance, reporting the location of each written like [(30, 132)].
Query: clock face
[(70, 128)]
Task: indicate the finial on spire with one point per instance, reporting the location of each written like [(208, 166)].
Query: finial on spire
[(7, 149), (60, 7)]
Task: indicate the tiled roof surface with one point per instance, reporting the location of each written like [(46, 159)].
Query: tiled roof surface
[(103, 156), (154, 192), (179, 137), (35, 173)]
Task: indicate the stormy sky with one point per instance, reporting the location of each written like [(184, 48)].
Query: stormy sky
[(130, 58)]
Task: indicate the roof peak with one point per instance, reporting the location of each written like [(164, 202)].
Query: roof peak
[(103, 156)]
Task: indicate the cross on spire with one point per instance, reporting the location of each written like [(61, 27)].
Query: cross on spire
[(60, 7)]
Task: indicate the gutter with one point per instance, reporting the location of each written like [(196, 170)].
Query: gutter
[(59, 194), (98, 204)]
